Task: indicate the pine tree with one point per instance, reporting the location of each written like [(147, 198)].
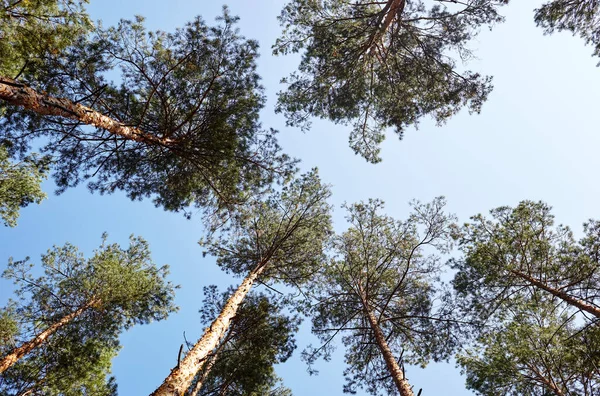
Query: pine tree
[(381, 291), (260, 336), (180, 126), (540, 350), (580, 17), (62, 331), (280, 238), (380, 64), (521, 249)]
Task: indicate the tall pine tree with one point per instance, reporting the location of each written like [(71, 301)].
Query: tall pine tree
[(380, 64)]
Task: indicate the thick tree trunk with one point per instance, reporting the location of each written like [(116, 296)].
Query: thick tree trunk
[(581, 304), (209, 366), (181, 377), (19, 94), (27, 347)]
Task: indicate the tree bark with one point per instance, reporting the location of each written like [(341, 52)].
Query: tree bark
[(27, 347), (390, 10), (19, 94), (181, 377), (209, 366), (581, 304), (548, 382), (393, 367)]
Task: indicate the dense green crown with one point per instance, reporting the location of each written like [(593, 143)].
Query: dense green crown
[(381, 64), (195, 95), (541, 351), (32, 31), (524, 241), (286, 231), (122, 287)]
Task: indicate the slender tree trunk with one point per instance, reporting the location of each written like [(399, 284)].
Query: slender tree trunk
[(19, 94), (181, 377), (550, 384), (27, 347), (390, 10), (393, 367), (581, 304)]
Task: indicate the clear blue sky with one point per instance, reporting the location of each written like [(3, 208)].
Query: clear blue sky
[(537, 138)]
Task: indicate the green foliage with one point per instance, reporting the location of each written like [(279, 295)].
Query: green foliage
[(19, 184), (381, 64), (540, 352), (9, 327), (121, 287), (499, 253), (580, 17), (286, 232), (260, 336), (383, 266), (32, 31), (194, 93), (70, 363)]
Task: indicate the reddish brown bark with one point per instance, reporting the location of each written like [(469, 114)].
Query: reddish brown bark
[(388, 13), (581, 304), (392, 365), (549, 383), (19, 94), (181, 377), (209, 366), (27, 347)]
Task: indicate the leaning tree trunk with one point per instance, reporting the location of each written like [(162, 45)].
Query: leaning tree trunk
[(575, 302), (181, 377), (390, 361), (209, 365), (27, 347), (19, 94)]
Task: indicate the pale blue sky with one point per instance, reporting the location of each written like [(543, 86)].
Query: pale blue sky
[(537, 138)]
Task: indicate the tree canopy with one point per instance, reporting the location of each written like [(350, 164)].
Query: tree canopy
[(180, 125), (380, 290), (541, 350), (380, 64), (580, 17), (280, 237), (32, 32), (520, 249), (62, 331)]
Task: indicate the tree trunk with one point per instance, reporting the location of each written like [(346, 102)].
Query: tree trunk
[(19, 94), (389, 11), (209, 366), (548, 382), (27, 347), (181, 377), (581, 304), (393, 367)]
